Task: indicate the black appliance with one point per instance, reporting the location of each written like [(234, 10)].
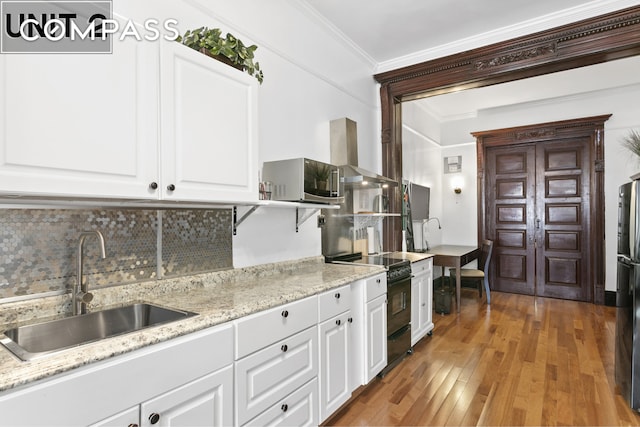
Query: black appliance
[(398, 302), (627, 357)]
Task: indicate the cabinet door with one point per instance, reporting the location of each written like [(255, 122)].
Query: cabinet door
[(426, 305), (80, 125), (205, 402), (376, 336), (266, 377), (130, 417), (416, 301), (334, 364), (209, 127), (358, 332)]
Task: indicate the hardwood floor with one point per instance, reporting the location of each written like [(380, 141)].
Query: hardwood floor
[(521, 361)]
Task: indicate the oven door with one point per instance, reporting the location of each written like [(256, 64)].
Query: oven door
[(399, 305)]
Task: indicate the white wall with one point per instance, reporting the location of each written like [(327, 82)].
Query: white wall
[(310, 78), (421, 164), (459, 210)]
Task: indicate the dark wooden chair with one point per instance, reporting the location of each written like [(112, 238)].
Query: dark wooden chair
[(480, 275)]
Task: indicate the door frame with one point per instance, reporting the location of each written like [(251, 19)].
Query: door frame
[(590, 127), (591, 41)]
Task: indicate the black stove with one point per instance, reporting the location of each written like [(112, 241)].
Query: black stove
[(397, 269)]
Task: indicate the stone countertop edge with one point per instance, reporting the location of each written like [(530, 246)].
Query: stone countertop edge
[(217, 297), (412, 256)]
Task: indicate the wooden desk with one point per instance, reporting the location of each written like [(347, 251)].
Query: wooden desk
[(454, 256)]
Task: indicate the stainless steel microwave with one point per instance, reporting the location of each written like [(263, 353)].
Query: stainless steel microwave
[(304, 180)]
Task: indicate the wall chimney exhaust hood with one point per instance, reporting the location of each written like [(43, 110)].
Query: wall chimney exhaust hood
[(358, 176), (344, 152)]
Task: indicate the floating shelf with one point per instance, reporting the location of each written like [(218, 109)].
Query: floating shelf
[(309, 210)]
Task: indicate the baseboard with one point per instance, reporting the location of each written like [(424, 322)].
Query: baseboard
[(610, 298)]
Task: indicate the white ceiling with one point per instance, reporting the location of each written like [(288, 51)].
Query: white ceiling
[(394, 33), (388, 29)]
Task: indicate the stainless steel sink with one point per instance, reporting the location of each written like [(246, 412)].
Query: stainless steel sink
[(34, 341)]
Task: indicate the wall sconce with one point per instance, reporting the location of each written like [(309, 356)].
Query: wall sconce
[(457, 190)]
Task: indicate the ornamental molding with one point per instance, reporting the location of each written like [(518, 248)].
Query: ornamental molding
[(521, 55)]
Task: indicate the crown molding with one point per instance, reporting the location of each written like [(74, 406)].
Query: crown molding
[(335, 32), (542, 23)]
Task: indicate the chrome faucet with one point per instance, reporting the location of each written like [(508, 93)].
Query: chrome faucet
[(424, 235), (80, 294)]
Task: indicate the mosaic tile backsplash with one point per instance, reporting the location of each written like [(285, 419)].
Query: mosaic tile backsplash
[(38, 247)]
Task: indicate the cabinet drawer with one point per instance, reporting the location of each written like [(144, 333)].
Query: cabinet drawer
[(297, 409), (262, 329), (206, 401), (421, 266), (375, 286), (266, 377), (334, 302)]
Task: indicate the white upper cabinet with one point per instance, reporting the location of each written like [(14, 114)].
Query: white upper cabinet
[(80, 124), (209, 114), (154, 120)]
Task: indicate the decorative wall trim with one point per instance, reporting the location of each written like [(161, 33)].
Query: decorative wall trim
[(521, 55)]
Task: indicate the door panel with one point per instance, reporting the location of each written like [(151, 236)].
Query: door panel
[(511, 217), (563, 219), (538, 216)]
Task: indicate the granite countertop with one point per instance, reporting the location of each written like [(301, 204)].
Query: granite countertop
[(217, 297), (411, 256)]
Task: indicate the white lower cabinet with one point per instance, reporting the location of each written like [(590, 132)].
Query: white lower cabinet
[(335, 385), (369, 329), (421, 299), (376, 342), (186, 381), (266, 377), (204, 402), (276, 353), (283, 366)]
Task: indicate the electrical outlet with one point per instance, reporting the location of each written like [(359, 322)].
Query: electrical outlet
[(321, 221)]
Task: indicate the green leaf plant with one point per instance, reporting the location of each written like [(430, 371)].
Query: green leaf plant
[(632, 142), (229, 47)]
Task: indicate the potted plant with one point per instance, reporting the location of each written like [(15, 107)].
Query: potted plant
[(228, 49), (321, 176), (632, 142)]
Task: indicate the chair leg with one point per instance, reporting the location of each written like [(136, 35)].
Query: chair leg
[(479, 288), (487, 290)]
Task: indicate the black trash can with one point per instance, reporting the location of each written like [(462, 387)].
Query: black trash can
[(442, 297)]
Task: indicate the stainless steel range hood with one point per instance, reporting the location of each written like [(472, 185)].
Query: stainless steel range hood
[(344, 152), (357, 176)]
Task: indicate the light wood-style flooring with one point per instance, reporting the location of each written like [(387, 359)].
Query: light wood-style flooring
[(521, 361)]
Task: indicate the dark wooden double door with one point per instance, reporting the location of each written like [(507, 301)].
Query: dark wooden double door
[(538, 213)]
